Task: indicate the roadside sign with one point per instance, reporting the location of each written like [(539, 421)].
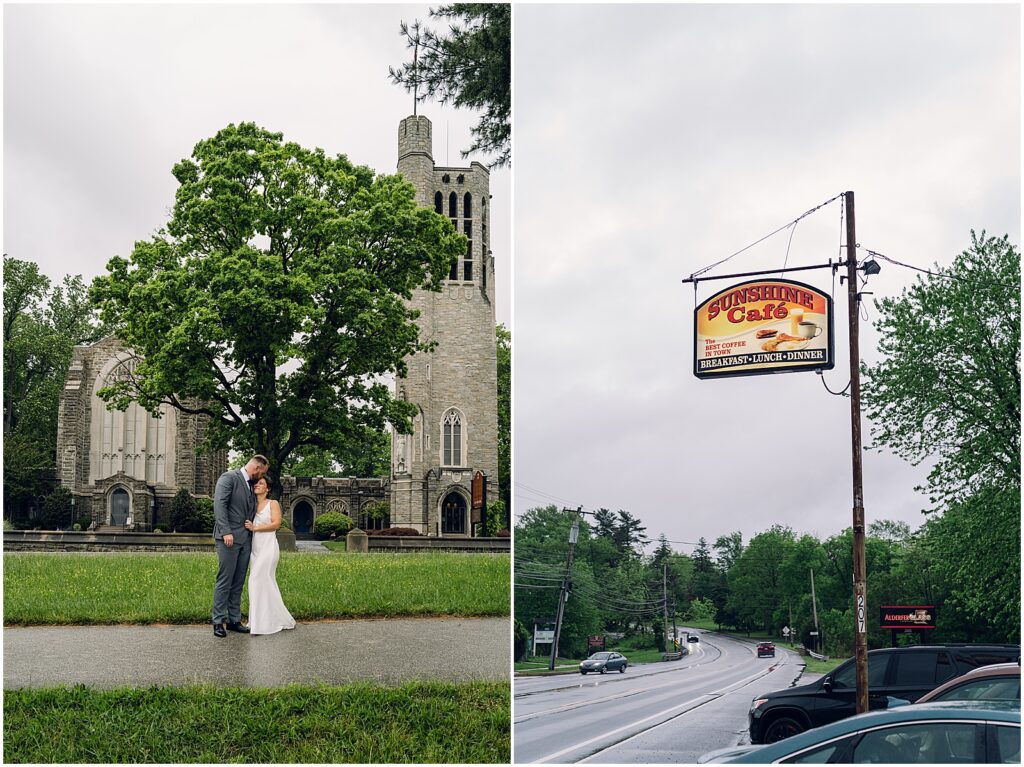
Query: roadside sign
[(763, 326), (785, 631), (907, 617)]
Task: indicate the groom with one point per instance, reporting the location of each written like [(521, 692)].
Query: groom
[(233, 504)]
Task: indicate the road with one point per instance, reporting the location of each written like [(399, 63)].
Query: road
[(653, 713)]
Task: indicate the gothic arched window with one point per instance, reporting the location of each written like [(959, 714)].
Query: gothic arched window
[(452, 443), (453, 206), (438, 203), (130, 441), (467, 206)]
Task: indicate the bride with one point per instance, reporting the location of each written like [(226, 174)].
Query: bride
[(267, 613)]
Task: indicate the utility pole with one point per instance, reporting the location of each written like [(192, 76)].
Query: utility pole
[(814, 608), (859, 564), (564, 593), (664, 604), (859, 561), (675, 631)]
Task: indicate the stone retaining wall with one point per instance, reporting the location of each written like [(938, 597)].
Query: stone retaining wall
[(36, 540), (399, 543)]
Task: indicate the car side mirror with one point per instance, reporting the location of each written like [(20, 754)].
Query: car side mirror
[(826, 684)]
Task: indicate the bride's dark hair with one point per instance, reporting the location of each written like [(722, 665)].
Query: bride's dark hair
[(267, 478)]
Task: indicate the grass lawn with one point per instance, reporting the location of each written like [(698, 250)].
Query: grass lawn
[(178, 587), (336, 546), (539, 665), (641, 655), (819, 666), (420, 723)]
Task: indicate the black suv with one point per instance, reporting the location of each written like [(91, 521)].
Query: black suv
[(900, 672)]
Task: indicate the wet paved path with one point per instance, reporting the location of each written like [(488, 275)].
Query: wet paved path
[(390, 651)]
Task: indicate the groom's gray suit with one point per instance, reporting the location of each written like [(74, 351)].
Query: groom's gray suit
[(233, 504)]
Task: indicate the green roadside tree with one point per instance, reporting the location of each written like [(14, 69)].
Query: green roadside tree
[(700, 610), (729, 548), (755, 579), (541, 544), (470, 66), (274, 300), (947, 390)]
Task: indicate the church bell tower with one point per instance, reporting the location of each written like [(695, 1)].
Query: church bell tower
[(455, 432)]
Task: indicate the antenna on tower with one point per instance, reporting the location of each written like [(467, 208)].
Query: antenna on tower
[(415, 67)]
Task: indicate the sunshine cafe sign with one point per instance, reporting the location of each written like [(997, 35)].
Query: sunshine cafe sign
[(763, 326)]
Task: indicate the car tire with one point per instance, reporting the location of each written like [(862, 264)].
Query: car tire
[(622, 669), (583, 672), (604, 669), (781, 728)]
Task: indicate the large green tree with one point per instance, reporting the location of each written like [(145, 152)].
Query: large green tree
[(470, 65), (947, 390), (42, 324), (542, 541), (756, 579), (275, 299)]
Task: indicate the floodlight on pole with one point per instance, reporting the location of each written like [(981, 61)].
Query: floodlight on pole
[(870, 267)]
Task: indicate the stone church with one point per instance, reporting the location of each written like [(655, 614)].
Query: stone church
[(124, 468)]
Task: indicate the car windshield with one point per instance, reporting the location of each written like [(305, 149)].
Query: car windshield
[(601, 656), (992, 688)]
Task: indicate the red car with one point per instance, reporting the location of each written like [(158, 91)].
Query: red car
[(765, 650)]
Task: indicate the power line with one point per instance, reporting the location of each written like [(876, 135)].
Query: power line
[(781, 228), (977, 283)]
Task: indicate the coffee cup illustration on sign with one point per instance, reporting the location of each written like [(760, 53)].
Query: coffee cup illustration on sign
[(808, 330)]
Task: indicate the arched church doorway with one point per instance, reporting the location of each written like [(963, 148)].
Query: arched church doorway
[(453, 515), (302, 515), (119, 507)]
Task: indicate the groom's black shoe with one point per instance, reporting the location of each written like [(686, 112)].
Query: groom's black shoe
[(238, 627), (218, 630)]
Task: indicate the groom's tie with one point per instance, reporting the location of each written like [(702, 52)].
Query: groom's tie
[(252, 501)]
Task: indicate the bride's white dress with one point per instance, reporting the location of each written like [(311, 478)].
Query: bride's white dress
[(267, 613)]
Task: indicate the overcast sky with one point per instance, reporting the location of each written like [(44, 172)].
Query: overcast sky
[(654, 140), (100, 101)]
